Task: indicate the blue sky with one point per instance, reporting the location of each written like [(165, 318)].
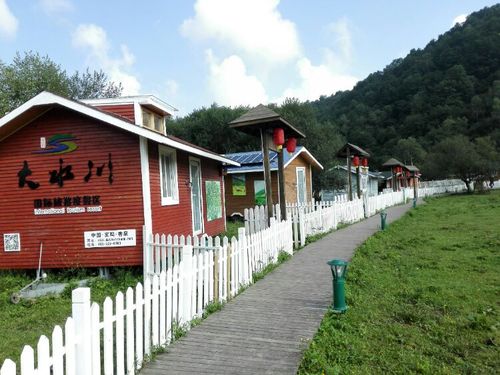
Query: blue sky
[(232, 52)]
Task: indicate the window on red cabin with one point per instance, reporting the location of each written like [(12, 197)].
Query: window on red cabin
[(168, 176), (153, 121)]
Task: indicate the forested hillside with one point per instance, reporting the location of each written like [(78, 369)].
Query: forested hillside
[(450, 87), (439, 107)]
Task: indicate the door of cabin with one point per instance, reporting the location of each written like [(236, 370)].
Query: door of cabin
[(196, 194), (301, 185)]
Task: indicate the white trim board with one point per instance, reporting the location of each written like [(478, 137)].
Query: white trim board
[(303, 149)]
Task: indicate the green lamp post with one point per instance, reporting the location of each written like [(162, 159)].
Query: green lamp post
[(414, 202), (339, 273), (383, 218)]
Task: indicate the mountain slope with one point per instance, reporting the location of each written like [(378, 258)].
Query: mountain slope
[(452, 86)]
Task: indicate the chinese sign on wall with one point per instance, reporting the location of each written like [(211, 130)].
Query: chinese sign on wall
[(62, 173), (110, 238), (239, 187), (214, 202), (260, 192)]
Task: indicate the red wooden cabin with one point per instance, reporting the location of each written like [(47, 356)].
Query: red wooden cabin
[(83, 180)]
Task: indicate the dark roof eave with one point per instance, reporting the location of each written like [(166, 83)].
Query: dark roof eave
[(358, 151)]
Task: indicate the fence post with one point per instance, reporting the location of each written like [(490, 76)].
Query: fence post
[(244, 255), (302, 227), (365, 205), (186, 277), (80, 312), (146, 255), (8, 368)]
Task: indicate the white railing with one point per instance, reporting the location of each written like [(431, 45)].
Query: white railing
[(182, 276)]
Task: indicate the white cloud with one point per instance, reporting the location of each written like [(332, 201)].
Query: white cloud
[(53, 7), (93, 39), (8, 22), (317, 80), (460, 19), (254, 27), (171, 88), (330, 75), (231, 85), (342, 37)]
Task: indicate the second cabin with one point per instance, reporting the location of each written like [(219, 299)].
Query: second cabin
[(244, 185)]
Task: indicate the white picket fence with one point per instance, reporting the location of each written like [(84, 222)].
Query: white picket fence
[(232, 260), (256, 218), (319, 217), (182, 276)]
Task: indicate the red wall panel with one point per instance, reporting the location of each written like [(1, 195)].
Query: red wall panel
[(177, 219), (63, 235), (124, 110)]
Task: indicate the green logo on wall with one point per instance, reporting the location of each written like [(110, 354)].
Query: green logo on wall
[(59, 144)]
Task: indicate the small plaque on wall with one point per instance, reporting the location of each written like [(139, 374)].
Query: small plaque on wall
[(12, 242), (110, 238)]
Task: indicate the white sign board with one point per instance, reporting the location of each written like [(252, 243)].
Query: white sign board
[(110, 238)]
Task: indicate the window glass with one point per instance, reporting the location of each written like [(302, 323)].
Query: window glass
[(168, 176)]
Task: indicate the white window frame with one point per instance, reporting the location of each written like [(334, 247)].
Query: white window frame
[(152, 118), (202, 201), (174, 199), (303, 169)]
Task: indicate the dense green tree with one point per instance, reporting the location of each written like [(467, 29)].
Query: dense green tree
[(29, 74), (458, 157), (209, 128), (409, 151)]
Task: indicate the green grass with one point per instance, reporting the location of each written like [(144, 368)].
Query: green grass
[(282, 258), (423, 296), (232, 228), (24, 323)]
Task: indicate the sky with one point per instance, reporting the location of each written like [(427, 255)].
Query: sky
[(192, 53)]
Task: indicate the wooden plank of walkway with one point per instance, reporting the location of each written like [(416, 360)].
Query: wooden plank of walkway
[(266, 329)]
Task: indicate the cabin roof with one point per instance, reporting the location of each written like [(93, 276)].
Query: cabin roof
[(45, 101), (252, 161)]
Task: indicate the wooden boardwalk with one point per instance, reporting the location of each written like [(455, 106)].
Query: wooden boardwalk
[(266, 329)]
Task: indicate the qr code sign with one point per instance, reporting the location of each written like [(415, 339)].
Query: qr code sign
[(12, 242)]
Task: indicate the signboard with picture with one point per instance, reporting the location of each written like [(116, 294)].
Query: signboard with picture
[(239, 187), (214, 202), (260, 192)]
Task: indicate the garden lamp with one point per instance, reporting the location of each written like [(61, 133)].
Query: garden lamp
[(383, 218), (339, 273)]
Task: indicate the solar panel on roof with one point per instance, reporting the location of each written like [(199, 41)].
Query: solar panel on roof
[(251, 157)]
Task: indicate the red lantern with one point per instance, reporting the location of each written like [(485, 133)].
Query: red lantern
[(278, 137), (355, 161), (291, 145), (364, 162), (407, 173)]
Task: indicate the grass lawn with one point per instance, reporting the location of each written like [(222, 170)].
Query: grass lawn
[(423, 296), (24, 323)]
